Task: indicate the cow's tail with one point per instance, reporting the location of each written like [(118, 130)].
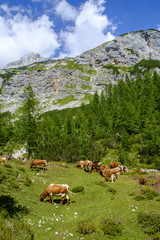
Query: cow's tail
[(71, 192)]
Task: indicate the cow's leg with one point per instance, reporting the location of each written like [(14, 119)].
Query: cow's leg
[(112, 177), (67, 196), (51, 198), (62, 200)]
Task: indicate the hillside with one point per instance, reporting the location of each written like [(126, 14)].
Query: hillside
[(68, 82), (103, 210)]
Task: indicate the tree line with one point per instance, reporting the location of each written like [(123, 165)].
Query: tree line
[(125, 117)]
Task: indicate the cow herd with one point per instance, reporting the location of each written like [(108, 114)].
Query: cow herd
[(113, 171)]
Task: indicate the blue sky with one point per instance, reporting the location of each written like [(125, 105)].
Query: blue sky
[(59, 28)]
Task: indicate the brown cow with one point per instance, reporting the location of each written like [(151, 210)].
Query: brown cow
[(96, 166), (3, 159), (142, 181), (114, 164), (102, 169), (112, 173), (56, 190), (36, 162), (86, 165)]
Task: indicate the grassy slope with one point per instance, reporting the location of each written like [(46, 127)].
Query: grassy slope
[(95, 204)]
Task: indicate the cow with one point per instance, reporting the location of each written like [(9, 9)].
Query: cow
[(56, 190), (142, 181), (86, 165), (3, 159), (80, 164), (96, 166), (102, 169), (112, 173), (114, 164), (36, 162)]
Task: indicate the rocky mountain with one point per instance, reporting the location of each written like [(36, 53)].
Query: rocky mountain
[(68, 82)]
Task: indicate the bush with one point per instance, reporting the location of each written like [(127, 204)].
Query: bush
[(78, 189), (149, 193), (27, 181), (113, 191), (146, 194), (7, 166), (86, 227), (111, 227), (14, 229), (150, 222)]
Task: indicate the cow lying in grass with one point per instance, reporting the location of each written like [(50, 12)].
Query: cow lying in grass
[(36, 162), (3, 159), (113, 173), (56, 190)]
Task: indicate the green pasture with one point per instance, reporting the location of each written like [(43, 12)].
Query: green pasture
[(99, 201)]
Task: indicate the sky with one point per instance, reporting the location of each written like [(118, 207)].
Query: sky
[(67, 28)]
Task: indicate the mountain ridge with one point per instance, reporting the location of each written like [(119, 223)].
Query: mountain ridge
[(64, 83)]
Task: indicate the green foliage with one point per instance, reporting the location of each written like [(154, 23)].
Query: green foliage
[(78, 189), (150, 222), (86, 227), (14, 229), (6, 76), (146, 194), (111, 228), (29, 119)]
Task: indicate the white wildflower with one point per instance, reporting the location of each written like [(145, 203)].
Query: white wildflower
[(56, 233), (75, 213), (39, 225), (133, 210)]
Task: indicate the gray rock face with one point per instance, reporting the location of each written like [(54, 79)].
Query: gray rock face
[(68, 82), (26, 60)]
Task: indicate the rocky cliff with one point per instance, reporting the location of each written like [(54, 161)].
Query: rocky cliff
[(68, 82)]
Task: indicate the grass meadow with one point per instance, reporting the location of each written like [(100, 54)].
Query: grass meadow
[(86, 217)]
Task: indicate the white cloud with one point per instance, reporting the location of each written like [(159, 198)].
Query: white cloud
[(66, 11), (20, 35), (90, 29)]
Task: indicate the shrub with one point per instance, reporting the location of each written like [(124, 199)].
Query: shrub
[(7, 166), (78, 189), (111, 227), (86, 227), (146, 194), (14, 229), (139, 197), (27, 181), (150, 222), (113, 191), (149, 193)]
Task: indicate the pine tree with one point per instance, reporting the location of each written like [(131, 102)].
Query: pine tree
[(29, 119)]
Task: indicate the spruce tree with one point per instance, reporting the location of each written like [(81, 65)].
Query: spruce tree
[(29, 119)]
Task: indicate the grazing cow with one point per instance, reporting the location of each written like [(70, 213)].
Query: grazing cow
[(86, 165), (96, 166), (56, 190), (112, 173), (36, 162), (102, 169), (3, 160), (142, 181), (114, 164), (80, 164)]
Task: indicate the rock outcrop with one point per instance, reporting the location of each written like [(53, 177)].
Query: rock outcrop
[(68, 82)]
